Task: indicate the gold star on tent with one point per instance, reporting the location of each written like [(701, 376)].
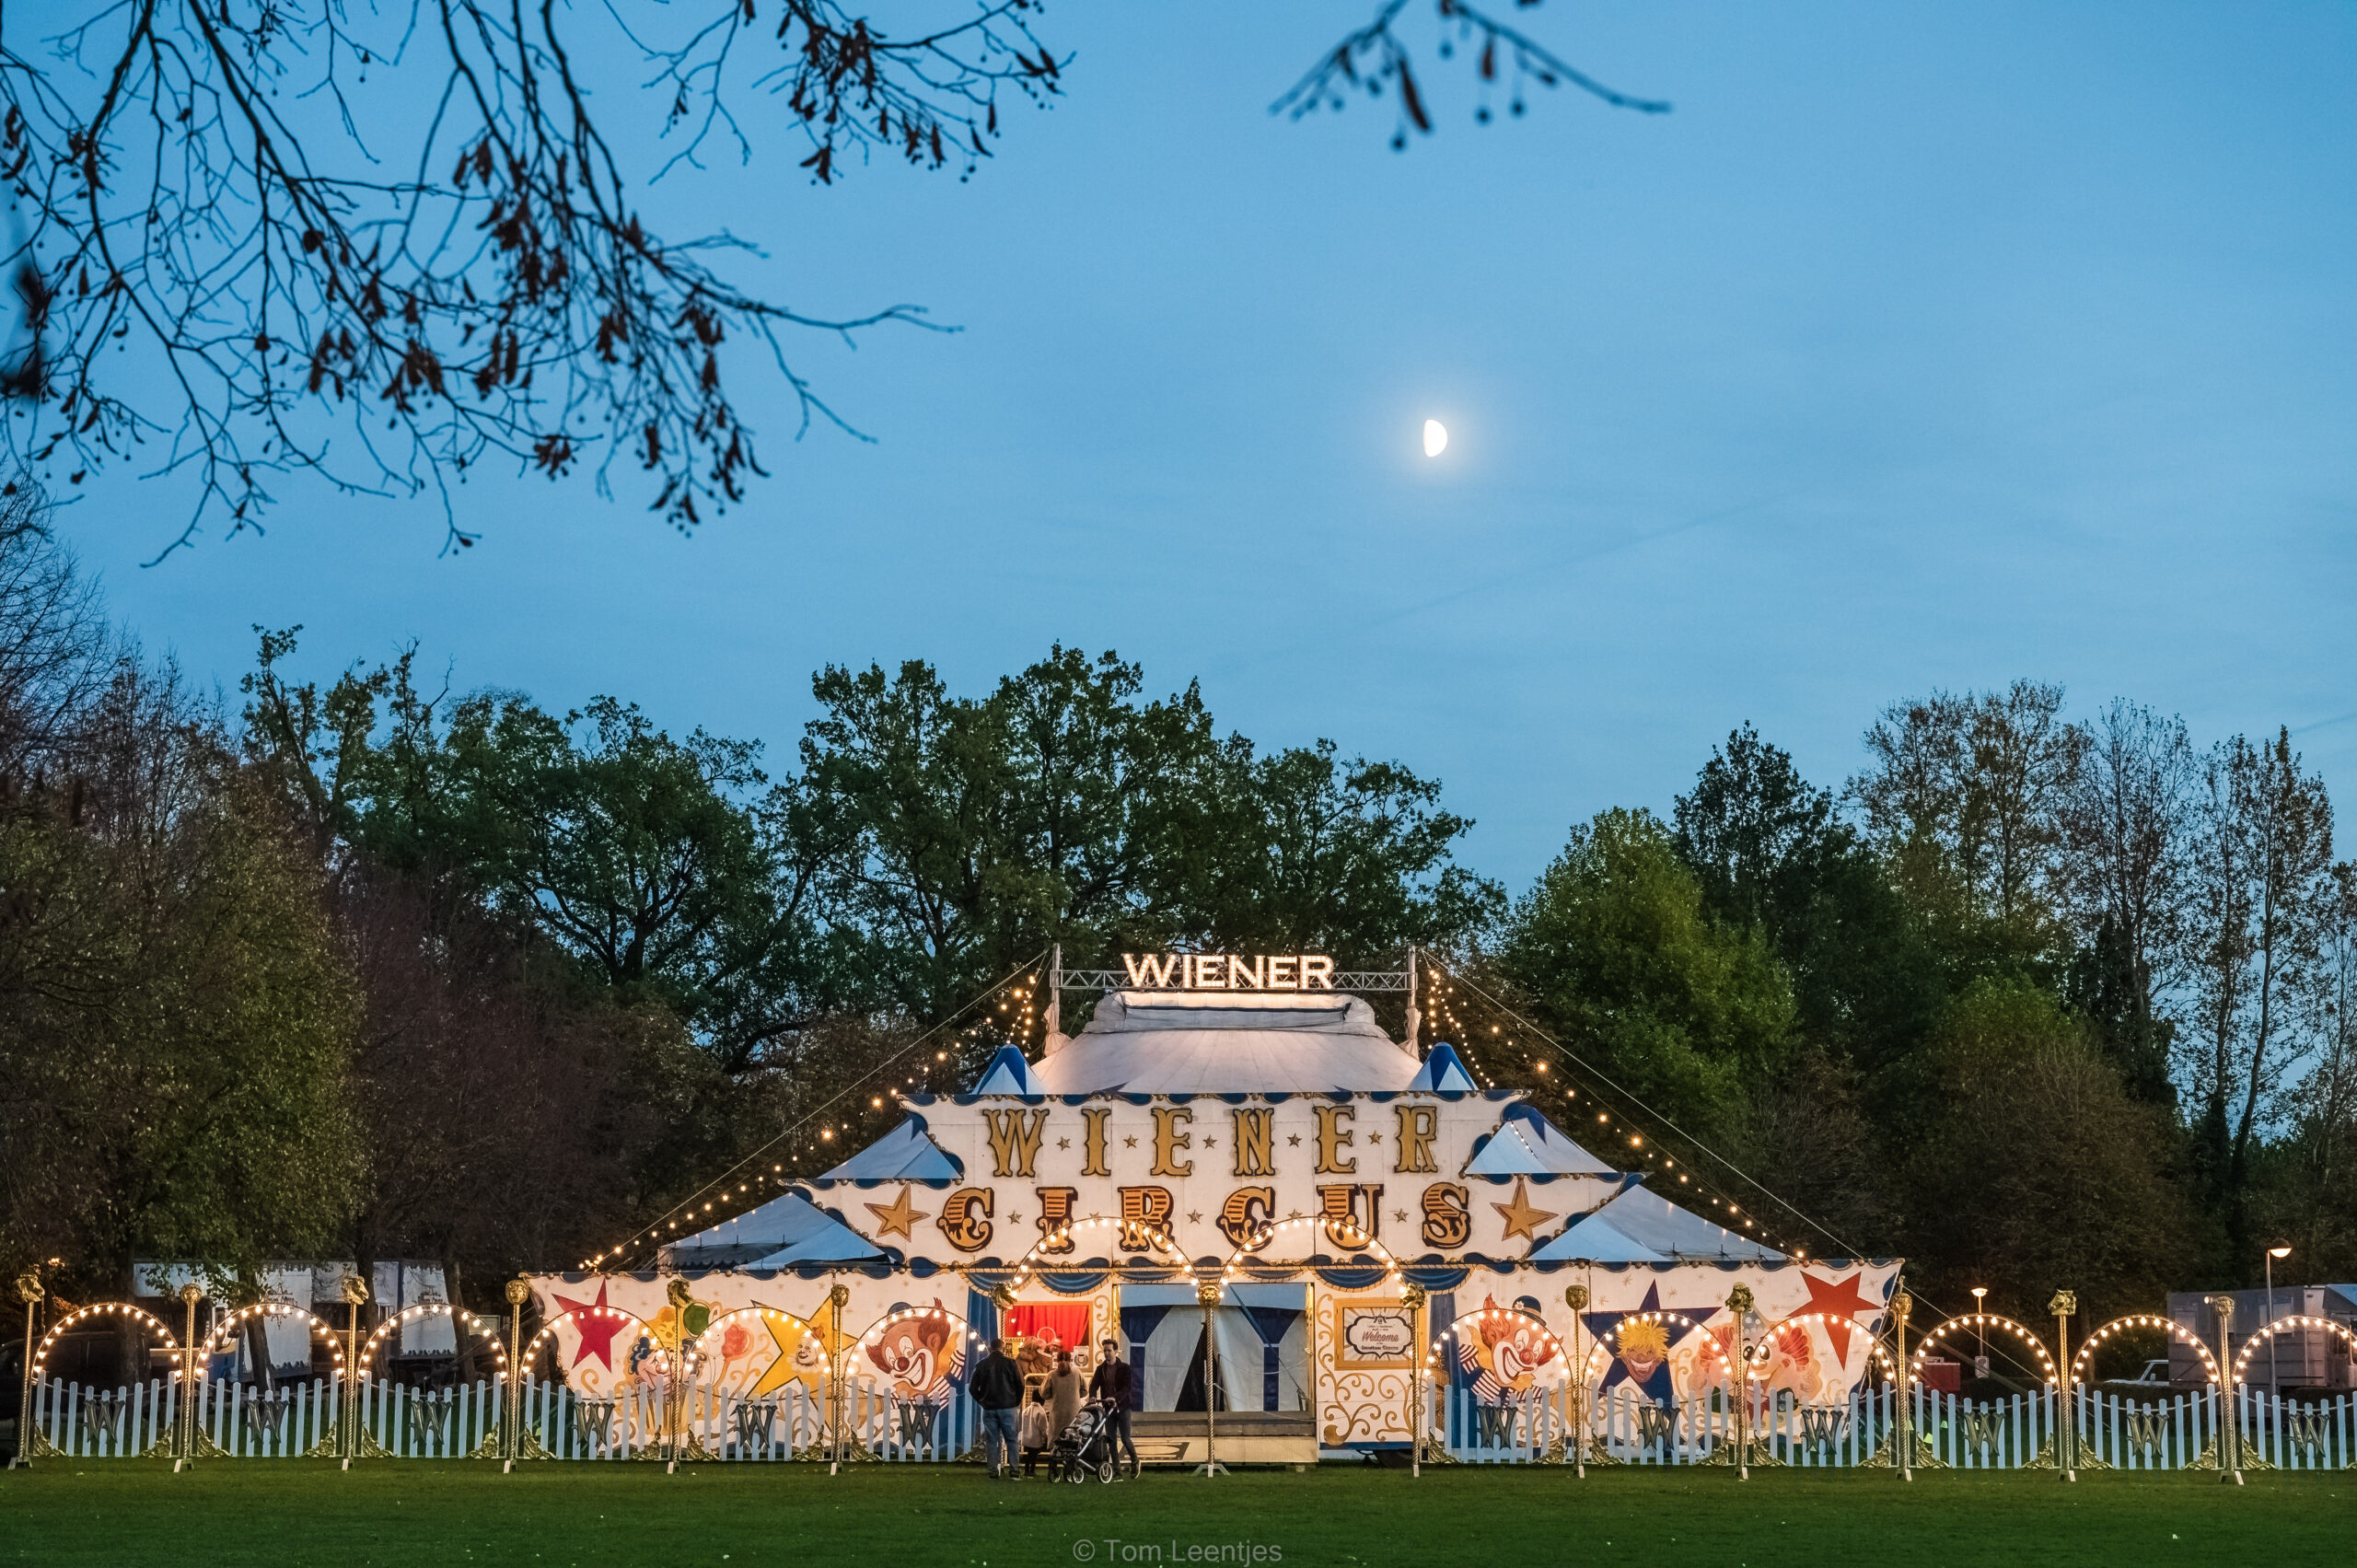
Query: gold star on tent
[(1130, 1142), (1064, 1143), (1195, 1216), (1520, 1217), (898, 1217), (1292, 1140), (787, 1332)]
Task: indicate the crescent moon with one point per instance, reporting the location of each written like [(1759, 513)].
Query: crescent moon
[(1435, 438)]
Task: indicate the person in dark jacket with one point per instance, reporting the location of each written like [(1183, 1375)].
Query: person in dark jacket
[(1114, 1384), (997, 1388)]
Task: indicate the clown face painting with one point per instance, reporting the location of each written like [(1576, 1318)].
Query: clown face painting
[(1507, 1354), (921, 1354), (1641, 1347)]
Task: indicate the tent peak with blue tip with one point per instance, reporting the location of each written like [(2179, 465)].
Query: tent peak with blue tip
[(1009, 1074), (1444, 1073)]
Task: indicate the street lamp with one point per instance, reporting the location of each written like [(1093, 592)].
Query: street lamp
[(1980, 1362), (2272, 1253)]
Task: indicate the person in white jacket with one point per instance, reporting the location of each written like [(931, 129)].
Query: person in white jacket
[(1037, 1435)]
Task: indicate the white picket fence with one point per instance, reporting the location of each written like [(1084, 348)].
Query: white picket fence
[(2287, 1435), (456, 1422), (109, 1424), (788, 1424), (2128, 1433), (245, 1420), (1949, 1430)]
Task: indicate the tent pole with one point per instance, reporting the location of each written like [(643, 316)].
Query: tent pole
[(1900, 1305), (1414, 1018), (1576, 1297), (1207, 1294), (2066, 1436)]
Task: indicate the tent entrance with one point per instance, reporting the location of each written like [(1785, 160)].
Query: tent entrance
[(1253, 1358)]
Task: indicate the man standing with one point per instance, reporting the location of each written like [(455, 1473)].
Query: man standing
[(1114, 1385), (997, 1388)]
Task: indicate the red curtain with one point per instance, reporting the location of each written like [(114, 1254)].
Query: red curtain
[(1062, 1325)]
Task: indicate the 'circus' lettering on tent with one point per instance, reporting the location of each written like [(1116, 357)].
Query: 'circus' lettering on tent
[(1448, 1222), (1146, 1216), (1247, 1209), (1352, 1212), (967, 1230), (1055, 1212)]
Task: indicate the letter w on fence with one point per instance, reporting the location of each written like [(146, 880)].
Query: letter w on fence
[(1980, 1431), (751, 1423), (2145, 1430), (266, 1414), (2306, 1429), (103, 1414), (1820, 1426), (596, 1420), (1654, 1422), (1495, 1424)]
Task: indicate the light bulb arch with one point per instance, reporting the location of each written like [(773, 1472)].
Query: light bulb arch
[(1980, 1322), (2297, 1322), (2134, 1320), (227, 1328), (423, 1309), (80, 1314)]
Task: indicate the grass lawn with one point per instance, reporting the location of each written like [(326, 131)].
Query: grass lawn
[(408, 1515)]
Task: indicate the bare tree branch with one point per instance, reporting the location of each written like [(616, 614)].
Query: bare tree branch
[(1375, 61), (207, 193), (192, 201)]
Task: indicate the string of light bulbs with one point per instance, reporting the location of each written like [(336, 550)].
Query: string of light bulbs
[(1637, 1143), (699, 1208)]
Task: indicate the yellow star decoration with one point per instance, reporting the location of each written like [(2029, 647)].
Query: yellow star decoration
[(785, 1331), (895, 1218), (1520, 1217)]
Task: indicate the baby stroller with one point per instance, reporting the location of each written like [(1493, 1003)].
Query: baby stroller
[(1085, 1448)]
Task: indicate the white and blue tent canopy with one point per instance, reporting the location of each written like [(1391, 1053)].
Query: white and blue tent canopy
[(1526, 1143), (785, 1231), (905, 1153), (1008, 1073), (1652, 1222), (1443, 1072), (1592, 1239), (1166, 1042)]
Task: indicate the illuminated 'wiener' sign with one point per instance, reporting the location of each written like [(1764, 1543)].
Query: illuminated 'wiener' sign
[(1227, 972)]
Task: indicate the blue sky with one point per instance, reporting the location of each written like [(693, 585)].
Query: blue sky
[(1920, 346)]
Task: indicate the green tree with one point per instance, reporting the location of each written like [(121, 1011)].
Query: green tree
[(2042, 1172), (1622, 961), (1063, 808), (2262, 896), (1767, 847), (176, 1016)]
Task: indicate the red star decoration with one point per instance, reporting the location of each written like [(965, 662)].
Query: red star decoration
[(596, 1328), (1840, 1300)]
